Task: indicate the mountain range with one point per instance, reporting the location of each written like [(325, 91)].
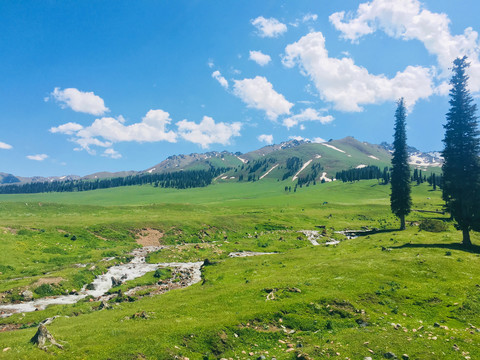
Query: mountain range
[(290, 159)]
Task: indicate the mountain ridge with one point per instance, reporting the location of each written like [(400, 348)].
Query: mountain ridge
[(334, 155)]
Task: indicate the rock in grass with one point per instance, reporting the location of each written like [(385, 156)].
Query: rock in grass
[(42, 336), (405, 357), (104, 305), (27, 295), (390, 355), (73, 238)]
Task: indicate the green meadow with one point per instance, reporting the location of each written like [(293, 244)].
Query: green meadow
[(412, 292)]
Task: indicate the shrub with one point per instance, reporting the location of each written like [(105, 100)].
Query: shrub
[(45, 290), (433, 225), (162, 273)]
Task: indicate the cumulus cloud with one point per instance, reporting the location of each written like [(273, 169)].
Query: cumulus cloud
[(38, 157), (218, 76), (260, 58), (409, 20), (269, 27), (318, 140), (208, 132), (268, 139), (349, 86), (5, 146), (79, 101), (111, 153), (308, 114), (105, 131), (258, 93), (68, 128)]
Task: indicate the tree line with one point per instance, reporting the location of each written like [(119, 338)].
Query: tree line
[(176, 180)]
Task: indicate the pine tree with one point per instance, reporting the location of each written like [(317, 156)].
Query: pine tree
[(461, 169), (400, 199)]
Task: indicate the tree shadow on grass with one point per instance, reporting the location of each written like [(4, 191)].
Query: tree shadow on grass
[(372, 232), (474, 249)]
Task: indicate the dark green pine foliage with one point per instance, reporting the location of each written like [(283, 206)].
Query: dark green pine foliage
[(461, 169), (400, 199)]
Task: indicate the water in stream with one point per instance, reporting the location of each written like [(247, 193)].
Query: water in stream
[(134, 269)]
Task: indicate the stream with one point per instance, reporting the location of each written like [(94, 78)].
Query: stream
[(124, 272)]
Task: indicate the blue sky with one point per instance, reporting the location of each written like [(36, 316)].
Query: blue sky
[(121, 85)]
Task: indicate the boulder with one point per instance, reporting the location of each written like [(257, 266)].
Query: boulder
[(116, 282), (27, 295), (43, 336)]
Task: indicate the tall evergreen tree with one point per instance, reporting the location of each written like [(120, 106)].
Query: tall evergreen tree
[(461, 169), (400, 199)]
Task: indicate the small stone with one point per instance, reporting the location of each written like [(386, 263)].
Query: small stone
[(367, 358), (389, 355), (6, 349), (405, 357), (436, 325)]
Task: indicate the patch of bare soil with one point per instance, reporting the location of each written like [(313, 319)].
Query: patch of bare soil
[(7, 230), (50, 280), (149, 237), (9, 327)]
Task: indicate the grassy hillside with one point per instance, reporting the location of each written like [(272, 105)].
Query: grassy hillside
[(327, 301)]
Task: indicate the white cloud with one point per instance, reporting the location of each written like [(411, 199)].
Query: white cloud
[(308, 114), (218, 76), (210, 63), (349, 86), (269, 27), (68, 128), (111, 153), (298, 138), (5, 146), (318, 140), (38, 157), (79, 101), (105, 131), (310, 17), (268, 139), (208, 132), (260, 58), (258, 93), (409, 20)]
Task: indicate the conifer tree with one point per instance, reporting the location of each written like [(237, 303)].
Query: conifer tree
[(400, 199), (461, 169)]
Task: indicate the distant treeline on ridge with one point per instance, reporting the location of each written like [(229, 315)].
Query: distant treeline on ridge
[(177, 180)]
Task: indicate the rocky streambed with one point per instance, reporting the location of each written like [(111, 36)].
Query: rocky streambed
[(189, 274)]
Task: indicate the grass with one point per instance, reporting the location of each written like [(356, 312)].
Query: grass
[(345, 299)]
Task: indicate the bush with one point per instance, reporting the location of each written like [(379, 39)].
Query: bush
[(433, 225), (45, 290), (162, 273)]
